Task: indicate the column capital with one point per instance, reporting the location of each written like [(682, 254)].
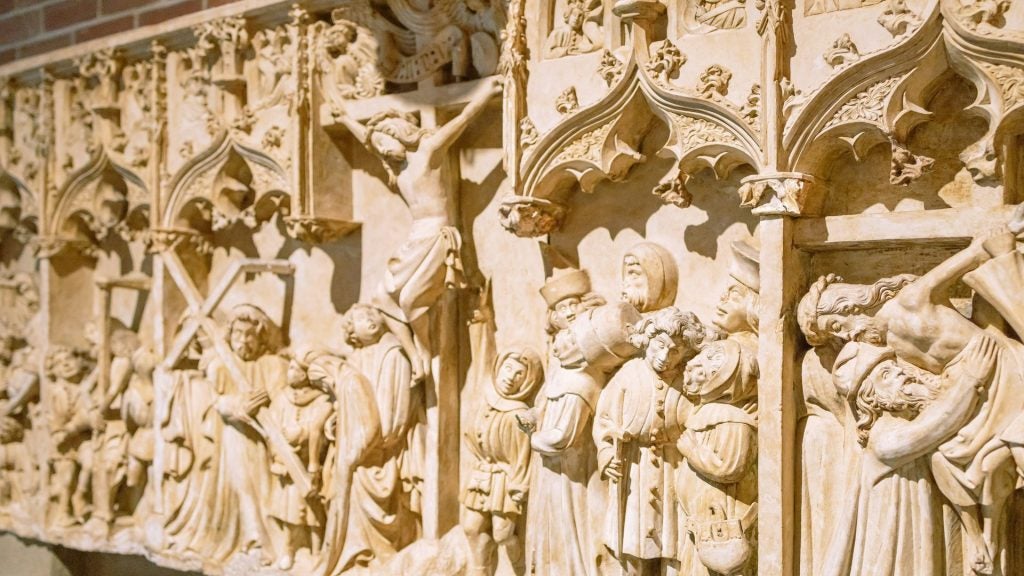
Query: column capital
[(782, 194)]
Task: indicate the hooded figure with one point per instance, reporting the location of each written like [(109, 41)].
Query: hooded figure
[(717, 486), (650, 277), (496, 491)]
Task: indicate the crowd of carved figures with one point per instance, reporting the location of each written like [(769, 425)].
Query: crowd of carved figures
[(171, 382)]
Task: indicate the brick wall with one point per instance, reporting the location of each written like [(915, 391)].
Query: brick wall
[(30, 27)]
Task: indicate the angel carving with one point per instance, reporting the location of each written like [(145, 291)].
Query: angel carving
[(347, 60)]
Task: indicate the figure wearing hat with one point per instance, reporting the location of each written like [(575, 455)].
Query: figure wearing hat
[(650, 277), (717, 484), (891, 522), (590, 339)]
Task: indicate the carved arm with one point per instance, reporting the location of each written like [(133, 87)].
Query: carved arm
[(438, 143)]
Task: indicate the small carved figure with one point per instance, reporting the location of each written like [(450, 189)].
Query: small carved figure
[(528, 132), (347, 61), (137, 411), (71, 418), (301, 412), (496, 493), (638, 420), (378, 454), (751, 109), (714, 83), (720, 14), (580, 31), (842, 52), (650, 277)]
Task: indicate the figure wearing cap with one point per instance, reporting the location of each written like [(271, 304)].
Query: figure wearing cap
[(717, 483), (650, 277), (737, 312), (589, 340)]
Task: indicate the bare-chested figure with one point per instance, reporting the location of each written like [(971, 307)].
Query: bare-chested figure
[(916, 319), (420, 168)]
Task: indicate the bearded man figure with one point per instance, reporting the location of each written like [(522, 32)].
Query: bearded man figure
[(650, 278), (233, 517)]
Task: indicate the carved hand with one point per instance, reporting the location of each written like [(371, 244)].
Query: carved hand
[(527, 421), (613, 470), (980, 360), (1016, 223)]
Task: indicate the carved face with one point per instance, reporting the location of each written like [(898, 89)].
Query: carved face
[(511, 375), (703, 369), (296, 375), (634, 283), (854, 328), (897, 391), (245, 339), (731, 314), (663, 354), (66, 365), (566, 309), (574, 18), (366, 327)]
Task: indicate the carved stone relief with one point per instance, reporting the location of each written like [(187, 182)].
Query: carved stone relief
[(406, 287)]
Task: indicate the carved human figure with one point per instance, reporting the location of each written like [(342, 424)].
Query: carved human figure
[(717, 485), (891, 522), (301, 411), (70, 420), (379, 447), (495, 495), (109, 433), (137, 413), (419, 164), (720, 14), (650, 277), (347, 59), (915, 318), (565, 489), (580, 30), (639, 417)]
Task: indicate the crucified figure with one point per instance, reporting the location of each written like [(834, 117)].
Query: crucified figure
[(419, 167)]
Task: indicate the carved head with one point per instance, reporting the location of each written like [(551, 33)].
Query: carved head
[(833, 311), (251, 333), (738, 308), (64, 364), (363, 325), (650, 277), (339, 37), (880, 384), (668, 338), (518, 374), (575, 14), (393, 134), (722, 372)]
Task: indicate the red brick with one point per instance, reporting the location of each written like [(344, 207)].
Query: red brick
[(26, 3), (8, 55), (114, 6), (106, 28), (158, 15), (20, 26), (6, 6), (47, 45), (212, 3), (68, 13)]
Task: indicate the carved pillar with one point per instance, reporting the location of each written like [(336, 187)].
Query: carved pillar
[(778, 199)]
